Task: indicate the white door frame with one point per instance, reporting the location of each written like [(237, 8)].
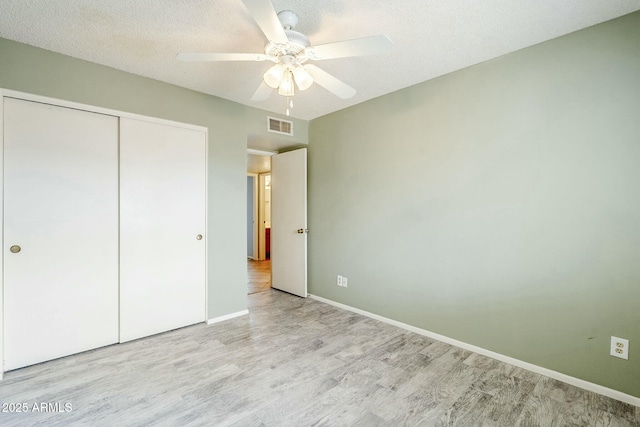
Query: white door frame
[(62, 103)]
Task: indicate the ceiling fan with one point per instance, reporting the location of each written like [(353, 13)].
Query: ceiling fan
[(289, 50)]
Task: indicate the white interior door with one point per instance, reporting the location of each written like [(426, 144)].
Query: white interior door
[(60, 231), (289, 222), (162, 224)]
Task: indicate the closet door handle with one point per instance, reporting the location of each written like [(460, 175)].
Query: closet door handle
[(15, 249), (199, 237)]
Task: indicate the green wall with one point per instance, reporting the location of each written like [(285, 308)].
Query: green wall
[(498, 205), (37, 71)]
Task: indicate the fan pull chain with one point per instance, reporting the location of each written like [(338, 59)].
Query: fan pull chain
[(289, 105)]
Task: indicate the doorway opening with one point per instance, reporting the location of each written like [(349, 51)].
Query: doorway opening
[(284, 187), (258, 223)]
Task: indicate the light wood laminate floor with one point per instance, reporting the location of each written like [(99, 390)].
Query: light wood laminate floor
[(258, 275), (297, 362)]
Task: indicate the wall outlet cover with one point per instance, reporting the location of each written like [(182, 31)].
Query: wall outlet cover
[(620, 348)]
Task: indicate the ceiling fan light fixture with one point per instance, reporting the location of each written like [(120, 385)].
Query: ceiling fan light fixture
[(286, 85), (289, 50), (273, 76), (302, 77)]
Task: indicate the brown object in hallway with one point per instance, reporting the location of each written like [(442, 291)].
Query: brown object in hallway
[(267, 242)]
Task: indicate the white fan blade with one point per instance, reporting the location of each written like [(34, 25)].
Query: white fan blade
[(373, 45), (330, 83), (262, 93), (195, 57), (267, 19)]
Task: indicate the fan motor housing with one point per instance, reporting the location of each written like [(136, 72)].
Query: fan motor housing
[(298, 42)]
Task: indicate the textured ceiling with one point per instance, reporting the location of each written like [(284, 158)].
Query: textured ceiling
[(431, 38)]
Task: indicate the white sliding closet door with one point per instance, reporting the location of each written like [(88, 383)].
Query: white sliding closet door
[(60, 231), (162, 224)]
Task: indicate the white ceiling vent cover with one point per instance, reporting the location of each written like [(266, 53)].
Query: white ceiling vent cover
[(284, 127)]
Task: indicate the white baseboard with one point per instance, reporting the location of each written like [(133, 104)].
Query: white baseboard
[(586, 385), (227, 317)]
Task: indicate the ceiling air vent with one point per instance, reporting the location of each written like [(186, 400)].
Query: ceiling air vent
[(279, 126)]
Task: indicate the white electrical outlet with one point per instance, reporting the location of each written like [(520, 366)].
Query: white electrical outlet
[(620, 348), (339, 280), (344, 281)]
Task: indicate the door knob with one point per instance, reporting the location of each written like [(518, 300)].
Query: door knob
[(15, 249), (199, 237)]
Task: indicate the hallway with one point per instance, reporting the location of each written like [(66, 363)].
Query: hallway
[(258, 275)]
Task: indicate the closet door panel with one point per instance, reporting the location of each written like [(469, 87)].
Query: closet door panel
[(60, 231), (162, 259)]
